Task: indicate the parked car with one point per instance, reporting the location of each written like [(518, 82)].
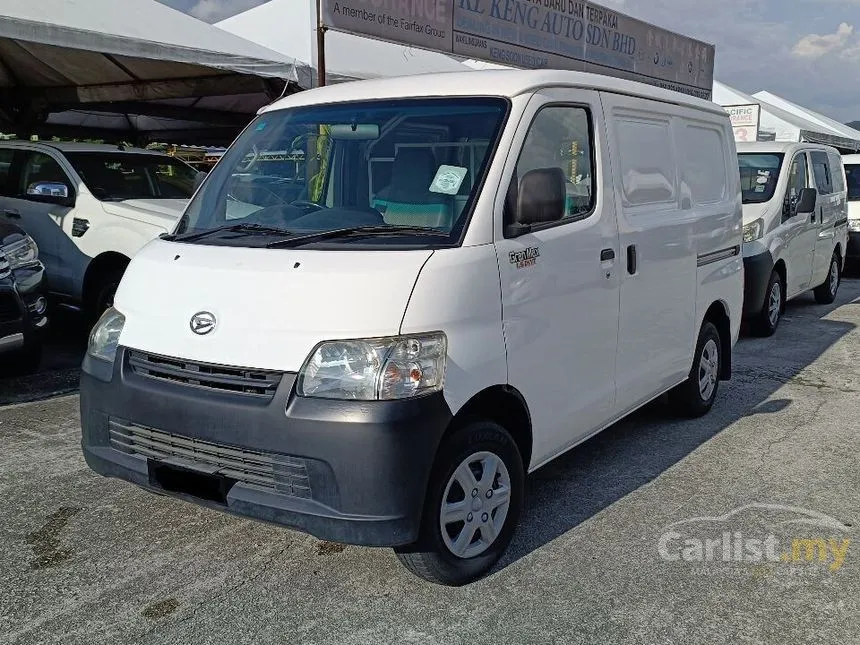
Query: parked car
[(90, 208), (795, 226), (852, 176), (23, 306), (388, 375)]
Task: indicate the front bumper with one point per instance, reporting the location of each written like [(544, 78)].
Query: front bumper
[(757, 271), (354, 472)]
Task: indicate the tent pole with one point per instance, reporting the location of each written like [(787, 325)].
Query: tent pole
[(320, 46)]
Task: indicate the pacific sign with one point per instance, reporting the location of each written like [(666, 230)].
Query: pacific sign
[(558, 34)]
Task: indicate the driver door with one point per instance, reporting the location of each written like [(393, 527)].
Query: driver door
[(799, 231)]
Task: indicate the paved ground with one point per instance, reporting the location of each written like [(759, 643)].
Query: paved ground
[(90, 560)]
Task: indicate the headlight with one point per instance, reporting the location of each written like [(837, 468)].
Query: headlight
[(21, 252), (104, 337), (753, 230), (375, 368), (854, 225)]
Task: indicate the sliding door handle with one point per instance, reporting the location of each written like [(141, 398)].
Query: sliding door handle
[(632, 260)]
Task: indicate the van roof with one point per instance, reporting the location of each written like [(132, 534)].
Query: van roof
[(504, 83), (851, 159), (784, 147)]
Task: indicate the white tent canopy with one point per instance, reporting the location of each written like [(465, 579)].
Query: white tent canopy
[(287, 26), (129, 68), (785, 125), (793, 108)]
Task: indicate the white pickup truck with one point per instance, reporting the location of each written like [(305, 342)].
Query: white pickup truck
[(90, 208)]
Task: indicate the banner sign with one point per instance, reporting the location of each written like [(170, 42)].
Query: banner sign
[(745, 121), (535, 34)]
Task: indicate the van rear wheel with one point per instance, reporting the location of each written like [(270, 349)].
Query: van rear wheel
[(695, 396), (825, 293), (767, 320), (472, 506)]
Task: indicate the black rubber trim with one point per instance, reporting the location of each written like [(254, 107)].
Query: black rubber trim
[(717, 256), (757, 272), (368, 461)]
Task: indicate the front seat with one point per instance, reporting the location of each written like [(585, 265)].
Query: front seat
[(409, 201)]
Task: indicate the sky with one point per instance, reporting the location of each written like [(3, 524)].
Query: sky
[(807, 51)]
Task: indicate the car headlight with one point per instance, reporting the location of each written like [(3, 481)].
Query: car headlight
[(375, 369), (754, 230), (104, 337), (854, 225), (21, 253)]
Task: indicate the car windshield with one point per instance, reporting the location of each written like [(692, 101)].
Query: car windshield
[(759, 174), (852, 174), (119, 176), (392, 172)]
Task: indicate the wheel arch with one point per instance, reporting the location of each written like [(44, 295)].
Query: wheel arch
[(780, 267), (718, 315), (502, 404)]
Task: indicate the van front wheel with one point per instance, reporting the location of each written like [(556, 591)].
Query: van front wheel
[(695, 396), (472, 506), (767, 320), (825, 294)]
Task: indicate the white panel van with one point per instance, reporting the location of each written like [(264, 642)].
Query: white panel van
[(465, 276), (795, 226)]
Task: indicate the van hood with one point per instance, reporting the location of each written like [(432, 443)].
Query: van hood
[(272, 306), (752, 212), (158, 212)]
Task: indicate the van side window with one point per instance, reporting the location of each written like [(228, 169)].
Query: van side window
[(560, 137), (647, 161), (836, 172), (821, 170), (705, 168), (42, 168)]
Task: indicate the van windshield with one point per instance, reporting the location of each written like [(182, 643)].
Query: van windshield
[(117, 176), (392, 172), (759, 174), (852, 174)]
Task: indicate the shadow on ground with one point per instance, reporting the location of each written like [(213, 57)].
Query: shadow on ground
[(633, 452)]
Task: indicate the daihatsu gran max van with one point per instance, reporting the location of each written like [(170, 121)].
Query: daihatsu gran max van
[(438, 284), (795, 226)]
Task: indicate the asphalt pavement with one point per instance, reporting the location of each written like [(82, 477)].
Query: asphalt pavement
[(629, 538)]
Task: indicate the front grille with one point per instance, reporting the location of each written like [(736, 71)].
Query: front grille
[(216, 377), (284, 474), (9, 309), (5, 269)]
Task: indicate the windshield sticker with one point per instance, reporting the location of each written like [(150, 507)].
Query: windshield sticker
[(761, 180), (448, 179), (261, 126), (525, 258), (759, 188), (764, 173)]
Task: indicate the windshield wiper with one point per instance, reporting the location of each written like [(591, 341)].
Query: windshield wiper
[(358, 231), (250, 229)]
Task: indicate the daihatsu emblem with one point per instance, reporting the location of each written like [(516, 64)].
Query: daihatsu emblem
[(202, 322)]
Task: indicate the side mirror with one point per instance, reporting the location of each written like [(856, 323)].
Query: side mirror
[(52, 192), (806, 201), (540, 199)]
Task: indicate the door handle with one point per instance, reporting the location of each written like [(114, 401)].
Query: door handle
[(631, 259), (11, 212), (607, 254)]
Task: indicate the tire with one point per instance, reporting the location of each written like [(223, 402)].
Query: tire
[(103, 293), (826, 292), (767, 320), (433, 557), (695, 396)]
